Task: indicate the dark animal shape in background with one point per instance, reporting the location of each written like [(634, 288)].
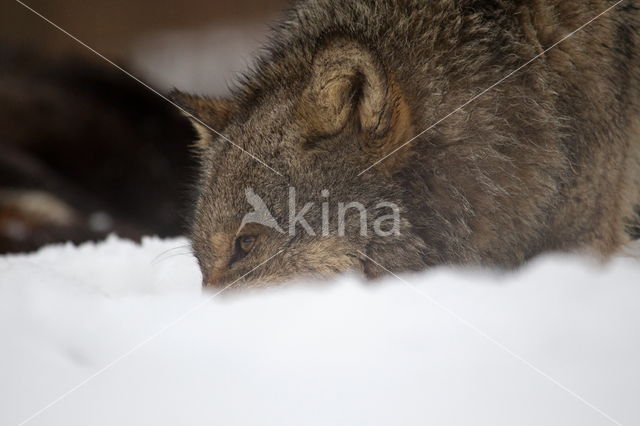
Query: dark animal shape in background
[(86, 151)]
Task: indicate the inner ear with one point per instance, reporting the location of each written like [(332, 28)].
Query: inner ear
[(350, 88), (205, 113)]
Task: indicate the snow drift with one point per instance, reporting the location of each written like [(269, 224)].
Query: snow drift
[(121, 334)]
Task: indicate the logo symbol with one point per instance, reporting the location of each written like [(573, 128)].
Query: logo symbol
[(260, 214)]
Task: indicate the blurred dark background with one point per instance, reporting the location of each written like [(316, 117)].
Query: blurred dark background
[(112, 27), (85, 150)]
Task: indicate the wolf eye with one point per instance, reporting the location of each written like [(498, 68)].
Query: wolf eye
[(241, 247), (246, 242)]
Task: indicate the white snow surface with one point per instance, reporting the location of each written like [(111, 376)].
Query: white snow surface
[(118, 333)]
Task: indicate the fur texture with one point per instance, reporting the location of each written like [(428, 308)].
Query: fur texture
[(547, 160)]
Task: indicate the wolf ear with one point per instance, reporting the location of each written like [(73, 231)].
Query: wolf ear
[(203, 112), (349, 85)]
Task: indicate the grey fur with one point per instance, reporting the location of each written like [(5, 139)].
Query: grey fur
[(547, 160)]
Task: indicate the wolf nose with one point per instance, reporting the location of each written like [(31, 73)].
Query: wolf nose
[(212, 279), (212, 284)]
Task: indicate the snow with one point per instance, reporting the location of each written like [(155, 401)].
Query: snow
[(121, 334)]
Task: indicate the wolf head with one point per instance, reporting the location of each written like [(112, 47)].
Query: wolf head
[(282, 193), (493, 177)]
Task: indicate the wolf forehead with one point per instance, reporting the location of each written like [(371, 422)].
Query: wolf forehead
[(339, 105)]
